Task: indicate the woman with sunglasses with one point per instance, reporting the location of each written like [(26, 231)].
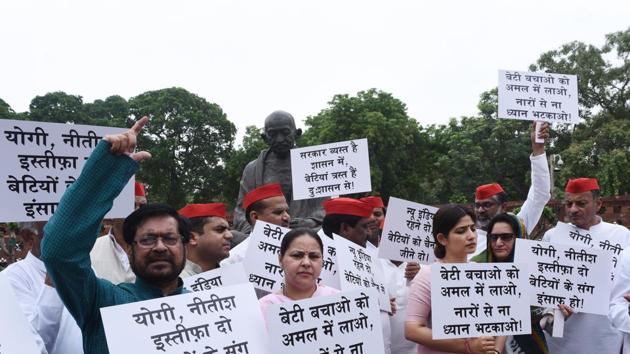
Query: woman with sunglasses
[(503, 230), (455, 238)]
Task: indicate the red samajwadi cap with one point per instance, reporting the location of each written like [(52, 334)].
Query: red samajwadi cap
[(202, 210), (263, 192), (139, 190), (347, 206), (488, 190), (581, 185), (374, 201)]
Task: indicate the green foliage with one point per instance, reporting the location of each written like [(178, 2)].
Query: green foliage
[(190, 140), (6, 112), (248, 151), (58, 107), (398, 149)]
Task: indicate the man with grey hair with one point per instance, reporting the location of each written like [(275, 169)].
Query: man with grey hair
[(53, 327), (273, 165)]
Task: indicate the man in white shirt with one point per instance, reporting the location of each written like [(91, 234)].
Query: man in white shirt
[(587, 333), (491, 199), (54, 329), (209, 237)]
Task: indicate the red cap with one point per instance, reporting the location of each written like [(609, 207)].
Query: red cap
[(581, 185), (347, 206), (200, 210), (488, 190), (263, 192), (139, 190), (374, 201)]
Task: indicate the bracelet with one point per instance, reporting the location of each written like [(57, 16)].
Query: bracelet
[(467, 345)]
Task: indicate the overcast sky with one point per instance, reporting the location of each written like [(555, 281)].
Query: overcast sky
[(253, 57)]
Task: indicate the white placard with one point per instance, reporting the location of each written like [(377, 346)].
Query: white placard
[(329, 275), (407, 233), (349, 322), (576, 276), (41, 160), (331, 169), (358, 268), (479, 299), (611, 243), (222, 320), (261, 259), (15, 334), (538, 96), (227, 275)]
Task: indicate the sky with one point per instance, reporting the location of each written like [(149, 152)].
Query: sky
[(253, 57)]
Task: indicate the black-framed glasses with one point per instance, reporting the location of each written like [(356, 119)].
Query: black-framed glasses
[(485, 205), (504, 237), (150, 240)]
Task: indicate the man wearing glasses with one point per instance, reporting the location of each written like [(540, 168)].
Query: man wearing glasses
[(491, 199), (156, 234)]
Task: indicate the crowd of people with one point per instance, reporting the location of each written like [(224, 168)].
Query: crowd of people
[(70, 273)]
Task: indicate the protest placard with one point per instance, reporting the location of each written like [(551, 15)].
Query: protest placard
[(537, 96), (41, 160), (262, 266), (330, 169), (348, 322), (479, 299), (566, 274), (16, 333), (329, 275), (223, 320), (230, 274), (407, 233), (612, 243), (358, 268)]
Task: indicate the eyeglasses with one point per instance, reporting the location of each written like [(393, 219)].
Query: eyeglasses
[(150, 240), (485, 205), (503, 237)]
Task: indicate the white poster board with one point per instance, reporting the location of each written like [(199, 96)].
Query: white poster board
[(261, 259), (227, 275), (359, 268), (479, 299), (331, 169), (348, 322), (538, 96), (41, 160), (223, 320), (407, 233), (613, 243), (329, 275), (16, 334), (566, 274)]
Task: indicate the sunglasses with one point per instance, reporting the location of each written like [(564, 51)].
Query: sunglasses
[(503, 237)]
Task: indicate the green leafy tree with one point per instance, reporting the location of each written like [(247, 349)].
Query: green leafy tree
[(58, 107), (190, 140), (113, 111), (398, 149), (6, 112)]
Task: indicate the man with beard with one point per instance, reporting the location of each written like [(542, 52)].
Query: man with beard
[(584, 332), (491, 199), (209, 237), (156, 233), (273, 165)]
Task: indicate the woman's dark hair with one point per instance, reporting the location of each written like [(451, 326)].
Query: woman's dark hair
[(295, 233), (140, 215), (445, 220), (511, 220), (332, 222)]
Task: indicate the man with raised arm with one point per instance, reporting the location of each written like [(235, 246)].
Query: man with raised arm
[(156, 233)]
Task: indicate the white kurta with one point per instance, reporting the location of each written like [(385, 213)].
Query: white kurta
[(400, 291), (588, 333), (191, 268), (537, 197), (110, 261), (237, 254), (619, 307), (54, 329)]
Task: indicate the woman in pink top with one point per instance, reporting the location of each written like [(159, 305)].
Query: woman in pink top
[(301, 260), (455, 238)]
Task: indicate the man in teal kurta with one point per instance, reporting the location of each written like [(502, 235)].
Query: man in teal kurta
[(155, 233)]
